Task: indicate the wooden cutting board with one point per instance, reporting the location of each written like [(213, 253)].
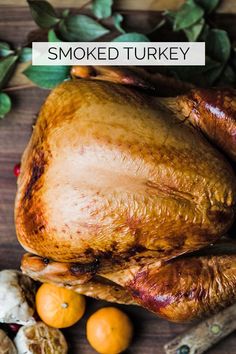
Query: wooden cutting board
[(16, 23)]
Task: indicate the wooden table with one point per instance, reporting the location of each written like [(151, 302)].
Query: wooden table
[(151, 333)]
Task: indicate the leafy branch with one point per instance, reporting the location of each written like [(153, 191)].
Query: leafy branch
[(78, 27), (192, 19), (8, 61), (73, 27)]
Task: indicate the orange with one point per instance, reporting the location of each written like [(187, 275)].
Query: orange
[(109, 331), (59, 307)]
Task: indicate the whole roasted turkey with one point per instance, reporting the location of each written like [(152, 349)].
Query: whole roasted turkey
[(123, 194)]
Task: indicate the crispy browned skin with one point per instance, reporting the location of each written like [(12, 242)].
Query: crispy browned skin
[(106, 172), (81, 278), (113, 184), (180, 290), (133, 76), (58, 272), (213, 112), (189, 288)]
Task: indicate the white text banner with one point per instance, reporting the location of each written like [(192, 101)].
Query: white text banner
[(119, 53)]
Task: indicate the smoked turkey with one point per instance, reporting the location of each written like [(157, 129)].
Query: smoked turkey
[(124, 195)]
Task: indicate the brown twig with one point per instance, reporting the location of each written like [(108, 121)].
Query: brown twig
[(18, 87), (84, 5)]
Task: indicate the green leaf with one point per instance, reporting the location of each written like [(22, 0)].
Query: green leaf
[(193, 32), (47, 76), (43, 13), (170, 15), (102, 8), (52, 37), (25, 54), (81, 28), (5, 49), (187, 15), (199, 75), (7, 66), (118, 19), (208, 5), (5, 104), (228, 77), (218, 45), (131, 37), (204, 33), (65, 13), (213, 70)]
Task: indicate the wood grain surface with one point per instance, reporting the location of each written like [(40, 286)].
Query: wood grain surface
[(227, 6), (151, 333), (206, 333)]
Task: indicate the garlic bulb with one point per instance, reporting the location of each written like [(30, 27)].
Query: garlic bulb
[(16, 297), (6, 345), (40, 338)]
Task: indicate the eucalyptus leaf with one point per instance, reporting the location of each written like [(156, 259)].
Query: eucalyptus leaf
[(7, 66), (213, 71), (5, 104), (187, 15), (228, 77), (5, 49), (25, 54), (218, 45), (199, 75), (208, 5), (52, 37), (170, 15), (81, 28), (131, 37), (117, 20), (102, 8), (204, 33), (47, 76), (43, 13), (193, 32), (63, 31), (65, 13)]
